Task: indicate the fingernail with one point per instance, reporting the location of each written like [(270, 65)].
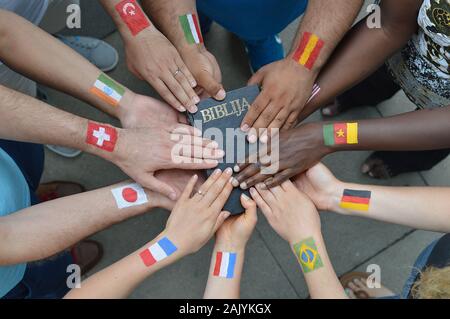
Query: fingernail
[(245, 197), (264, 139), (226, 215), (260, 186), (182, 109), (236, 169), (221, 94), (193, 84), (194, 109), (245, 128), (196, 99), (173, 196), (252, 139), (234, 182), (217, 172), (228, 171), (243, 185), (252, 191)]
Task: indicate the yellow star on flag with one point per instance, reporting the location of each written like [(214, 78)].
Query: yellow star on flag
[(340, 133)]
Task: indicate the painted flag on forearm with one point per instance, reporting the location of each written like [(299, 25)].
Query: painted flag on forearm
[(356, 200), (308, 51), (340, 133), (129, 195), (158, 251), (224, 265), (133, 16), (191, 28)]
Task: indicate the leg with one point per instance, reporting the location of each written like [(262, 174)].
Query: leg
[(375, 89)]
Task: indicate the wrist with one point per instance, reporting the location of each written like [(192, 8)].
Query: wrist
[(302, 234), (315, 135), (125, 105), (228, 246)]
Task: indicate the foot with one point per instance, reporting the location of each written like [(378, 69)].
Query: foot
[(87, 255), (331, 110), (358, 289), (263, 52), (98, 52), (375, 167), (54, 190)]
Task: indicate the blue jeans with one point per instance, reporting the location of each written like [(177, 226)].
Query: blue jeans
[(43, 279), (251, 20)]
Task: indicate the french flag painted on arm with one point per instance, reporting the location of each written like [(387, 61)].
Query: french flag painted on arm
[(225, 263), (158, 251)]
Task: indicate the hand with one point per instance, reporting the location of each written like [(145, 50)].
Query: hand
[(178, 178), (290, 212), (206, 71), (299, 149), (151, 57), (143, 151), (320, 185), (235, 232), (196, 217), (286, 87), (138, 111)]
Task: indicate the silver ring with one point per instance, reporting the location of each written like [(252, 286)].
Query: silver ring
[(176, 72)]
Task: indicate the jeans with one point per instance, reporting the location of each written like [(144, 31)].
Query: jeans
[(43, 279)]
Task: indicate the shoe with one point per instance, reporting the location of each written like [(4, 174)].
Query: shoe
[(263, 52), (87, 254), (98, 52)]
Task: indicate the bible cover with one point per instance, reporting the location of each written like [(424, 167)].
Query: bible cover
[(220, 121)]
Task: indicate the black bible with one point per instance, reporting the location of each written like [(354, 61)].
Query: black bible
[(221, 121)]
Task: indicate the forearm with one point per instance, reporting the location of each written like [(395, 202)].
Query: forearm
[(120, 279), (39, 56), (416, 207), (414, 131), (320, 276), (363, 50), (224, 280), (166, 15), (329, 21), (43, 230), (27, 119)]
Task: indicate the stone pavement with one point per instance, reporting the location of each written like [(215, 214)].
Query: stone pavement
[(271, 271)]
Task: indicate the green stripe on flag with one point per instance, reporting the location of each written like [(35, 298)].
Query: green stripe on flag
[(112, 84), (187, 29), (328, 134)]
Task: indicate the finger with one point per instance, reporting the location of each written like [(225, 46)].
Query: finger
[(265, 208), (189, 188), (250, 207), (249, 160), (288, 186), (291, 122), (177, 90), (267, 195), (202, 153), (163, 188), (279, 178), (258, 106), (266, 117), (188, 89), (211, 86), (184, 129), (222, 198), (218, 186), (221, 219), (190, 78), (256, 179), (165, 93), (245, 174), (277, 191), (280, 119), (257, 78), (206, 185)]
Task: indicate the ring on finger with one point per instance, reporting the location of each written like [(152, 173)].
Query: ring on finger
[(178, 71)]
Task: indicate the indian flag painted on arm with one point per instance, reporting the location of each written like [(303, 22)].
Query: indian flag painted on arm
[(108, 90)]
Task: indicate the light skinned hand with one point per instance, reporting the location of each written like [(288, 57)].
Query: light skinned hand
[(151, 57), (319, 184), (290, 212), (235, 232), (197, 216), (285, 89)]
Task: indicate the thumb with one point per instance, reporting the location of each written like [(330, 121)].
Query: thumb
[(211, 86), (221, 219), (257, 78), (154, 184)]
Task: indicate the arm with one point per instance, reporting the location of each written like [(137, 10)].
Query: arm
[(191, 224), (168, 16), (43, 230), (231, 240), (364, 49), (417, 207), (287, 84), (293, 216), (151, 57), (302, 147), (29, 120)]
